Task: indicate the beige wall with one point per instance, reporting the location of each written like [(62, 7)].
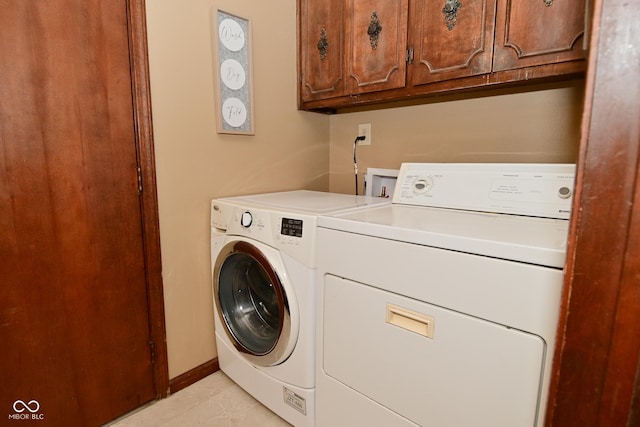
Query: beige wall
[(293, 149), (195, 164), (541, 125)]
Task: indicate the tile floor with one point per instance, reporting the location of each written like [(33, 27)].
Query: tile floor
[(214, 401)]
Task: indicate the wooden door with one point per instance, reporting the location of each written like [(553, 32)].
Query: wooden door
[(74, 318), (450, 39), (321, 49), (377, 43), (538, 32), (596, 379)]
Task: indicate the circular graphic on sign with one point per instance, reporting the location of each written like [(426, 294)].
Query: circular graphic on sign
[(234, 112), (231, 35), (232, 74)]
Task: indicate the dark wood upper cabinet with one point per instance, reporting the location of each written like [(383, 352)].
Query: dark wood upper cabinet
[(450, 42), (379, 51), (321, 46), (377, 40), (538, 32)]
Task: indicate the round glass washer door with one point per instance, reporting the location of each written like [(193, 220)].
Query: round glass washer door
[(253, 303)]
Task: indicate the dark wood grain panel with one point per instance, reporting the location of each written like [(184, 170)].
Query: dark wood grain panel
[(596, 365), (520, 42), (441, 52), (321, 48), (73, 280), (378, 65)]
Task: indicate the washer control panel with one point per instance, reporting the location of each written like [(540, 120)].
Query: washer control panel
[(530, 189), (291, 233)]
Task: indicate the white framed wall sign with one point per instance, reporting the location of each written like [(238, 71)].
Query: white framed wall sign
[(233, 74)]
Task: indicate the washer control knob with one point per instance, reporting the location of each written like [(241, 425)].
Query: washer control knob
[(246, 219), (422, 185), (564, 192)]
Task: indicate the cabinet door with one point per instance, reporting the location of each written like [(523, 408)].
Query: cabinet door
[(538, 32), (377, 41), (321, 49), (450, 39)]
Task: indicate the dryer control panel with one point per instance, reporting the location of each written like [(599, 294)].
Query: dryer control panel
[(530, 189)]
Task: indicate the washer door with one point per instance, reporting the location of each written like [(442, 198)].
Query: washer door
[(254, 303)]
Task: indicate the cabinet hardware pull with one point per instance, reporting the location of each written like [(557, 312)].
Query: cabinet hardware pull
[(450, 11), (548, 2), (323, 44), (374, 30)]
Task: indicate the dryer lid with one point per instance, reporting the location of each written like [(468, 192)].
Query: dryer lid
[(540, 241)]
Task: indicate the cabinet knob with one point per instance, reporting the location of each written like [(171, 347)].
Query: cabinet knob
[(374, 30), (450, 11), (323, 44)]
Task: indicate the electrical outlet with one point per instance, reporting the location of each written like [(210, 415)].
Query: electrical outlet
[(364, 129)]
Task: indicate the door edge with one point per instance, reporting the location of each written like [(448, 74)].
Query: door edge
[(141, 91)]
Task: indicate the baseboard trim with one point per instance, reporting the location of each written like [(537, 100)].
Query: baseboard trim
[(194, 375)]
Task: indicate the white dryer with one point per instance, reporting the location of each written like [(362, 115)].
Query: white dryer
[(264, 287), (441, 309)]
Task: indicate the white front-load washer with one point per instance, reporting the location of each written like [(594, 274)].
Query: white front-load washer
[(441, 309), (263, 251)]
